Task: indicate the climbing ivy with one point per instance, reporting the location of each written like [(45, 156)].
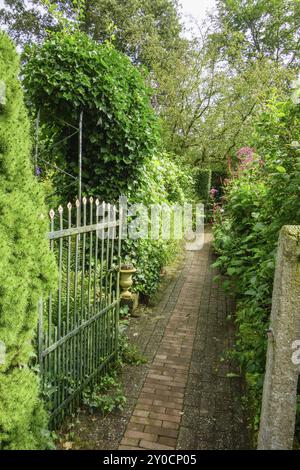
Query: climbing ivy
[(71, 73)]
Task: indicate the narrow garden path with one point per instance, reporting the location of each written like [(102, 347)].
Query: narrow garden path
[(183, 397), (191, 397)]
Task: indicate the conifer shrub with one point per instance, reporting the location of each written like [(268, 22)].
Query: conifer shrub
[(26, 266)]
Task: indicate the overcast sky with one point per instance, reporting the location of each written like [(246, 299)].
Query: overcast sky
[(197, 8)]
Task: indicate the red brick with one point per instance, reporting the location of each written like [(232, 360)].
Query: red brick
[(129, 442), (168, 441), (177, 406), (132, 426), (147, 396), (159, 431), (141, 413), (145, 401), (165, 417), (153, 446), (157, 386), (170, 425), (156, 408), (149, 421), (159, 377), (148, 389), (177, 387), (141, 435), (173, 412), (168, 393), (129, 448)]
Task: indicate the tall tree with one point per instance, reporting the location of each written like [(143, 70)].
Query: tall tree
[(142, 29), (257, 29)]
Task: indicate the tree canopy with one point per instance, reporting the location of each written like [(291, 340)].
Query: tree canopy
[(206, 89)]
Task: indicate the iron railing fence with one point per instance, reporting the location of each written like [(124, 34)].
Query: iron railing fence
[(78, 322)]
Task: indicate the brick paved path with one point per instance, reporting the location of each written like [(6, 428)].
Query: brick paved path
[(187, 401)]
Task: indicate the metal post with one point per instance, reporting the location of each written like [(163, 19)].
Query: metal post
[(80, 158)]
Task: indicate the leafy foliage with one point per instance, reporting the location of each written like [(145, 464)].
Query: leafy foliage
[(263, 28), (107, 395), (262, 196), (144, 30), (202, 180), (26, 268), (71, 73)]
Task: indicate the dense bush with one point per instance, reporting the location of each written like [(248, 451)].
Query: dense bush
[(71, 73), (202, 182), (25, 266), (261, 197), (164, 182)]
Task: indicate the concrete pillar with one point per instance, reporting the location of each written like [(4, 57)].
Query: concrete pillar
[(277, 424)]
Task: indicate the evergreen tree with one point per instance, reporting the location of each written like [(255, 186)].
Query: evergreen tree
[(25, 265)]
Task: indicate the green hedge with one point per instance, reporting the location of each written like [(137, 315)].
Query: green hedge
[(217, 181), (202, 178), (262, 196), (25, 266)]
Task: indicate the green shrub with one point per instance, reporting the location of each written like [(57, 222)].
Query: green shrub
[(261, 198), (25, 266), (70, 73), (149, 256), (164, 182), (202, 178)]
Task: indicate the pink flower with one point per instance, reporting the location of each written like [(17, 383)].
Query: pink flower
[(213, 192), (245, 154)]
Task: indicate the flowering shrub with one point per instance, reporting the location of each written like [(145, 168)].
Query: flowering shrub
[(213, 192)]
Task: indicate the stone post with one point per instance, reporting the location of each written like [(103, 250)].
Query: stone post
[(277, 424)]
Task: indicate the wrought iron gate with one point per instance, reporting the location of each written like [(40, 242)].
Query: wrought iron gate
[(78, 322)]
